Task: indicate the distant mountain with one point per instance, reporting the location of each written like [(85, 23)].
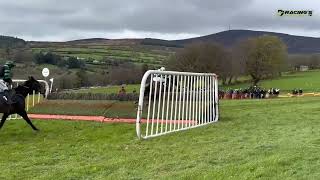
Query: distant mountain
[(295, 44), (91, 40)]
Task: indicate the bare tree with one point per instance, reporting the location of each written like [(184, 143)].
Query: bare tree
[(265, 56), (203, 57)]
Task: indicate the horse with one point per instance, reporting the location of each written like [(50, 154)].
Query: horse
[(18, 96)]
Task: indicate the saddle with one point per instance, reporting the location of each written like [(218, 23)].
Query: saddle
[(7, 97)]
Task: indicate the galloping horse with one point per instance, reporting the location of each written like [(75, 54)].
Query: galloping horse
[(18, 101)]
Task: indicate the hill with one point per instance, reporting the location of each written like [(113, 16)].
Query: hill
[(155, 51), (100, 49), (12, 42), (295, 44)]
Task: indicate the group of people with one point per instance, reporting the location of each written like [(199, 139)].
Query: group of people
[(297, 92), (253, 92)]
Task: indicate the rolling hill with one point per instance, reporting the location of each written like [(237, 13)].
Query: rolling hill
[(154, 51), (295, 44)]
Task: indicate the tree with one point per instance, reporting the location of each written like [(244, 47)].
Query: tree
[(23, 56), (265, 56), (47, 58), (202, 57), (82, 77), (8, 52), (314, 61), (145, 68), (73, 62)]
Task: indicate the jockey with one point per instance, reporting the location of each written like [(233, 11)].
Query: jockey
[(5, 79)]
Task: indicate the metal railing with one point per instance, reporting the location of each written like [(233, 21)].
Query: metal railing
[(176, 101)]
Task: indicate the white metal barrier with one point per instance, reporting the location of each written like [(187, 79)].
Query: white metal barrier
[(176, 101)]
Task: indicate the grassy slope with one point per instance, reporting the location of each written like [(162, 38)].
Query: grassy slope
[(276, 139), (111, 89), (308, 81), (145, 55), (115, 109)]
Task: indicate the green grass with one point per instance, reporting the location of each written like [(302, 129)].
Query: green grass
[(111, 89), (72, 107), (125, 53), (308, 81), (122, 109), (268, 139)]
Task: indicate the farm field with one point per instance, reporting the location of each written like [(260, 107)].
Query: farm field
[(111, 89), (139, 55), (309, 82), (113, 109), (270, 139)]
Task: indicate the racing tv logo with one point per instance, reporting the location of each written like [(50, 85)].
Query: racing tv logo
[(294, 12)]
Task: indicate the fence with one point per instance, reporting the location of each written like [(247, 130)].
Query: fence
[(176, 101)]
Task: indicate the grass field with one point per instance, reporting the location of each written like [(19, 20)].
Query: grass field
[(123, 109), (268, 139), (111, 89), (309, 82), (124, 53)]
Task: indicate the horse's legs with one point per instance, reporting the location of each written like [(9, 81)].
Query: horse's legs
[(26, 118), (4, 118)]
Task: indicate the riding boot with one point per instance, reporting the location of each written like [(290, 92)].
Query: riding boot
[(7, 97)]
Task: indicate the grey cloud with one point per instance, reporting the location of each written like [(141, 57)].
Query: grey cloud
[(66, 19)]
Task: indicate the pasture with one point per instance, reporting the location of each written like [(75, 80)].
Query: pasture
[(277, 138), (141, 55), (308, 81), (113, 109), (111, 89)]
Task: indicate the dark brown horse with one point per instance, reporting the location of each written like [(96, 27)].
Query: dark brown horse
[(18, 101)]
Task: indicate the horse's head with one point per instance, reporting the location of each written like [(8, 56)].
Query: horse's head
[(32, 84)]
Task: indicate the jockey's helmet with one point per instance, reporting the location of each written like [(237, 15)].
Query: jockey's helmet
[(10, 64)]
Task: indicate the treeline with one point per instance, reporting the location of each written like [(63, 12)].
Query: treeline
[(11, 42), (260, 58), (25, 56), (55, 59), (312, 61), (127, 73)]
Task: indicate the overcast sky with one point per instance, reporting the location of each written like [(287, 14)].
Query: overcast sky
[(59, 20)]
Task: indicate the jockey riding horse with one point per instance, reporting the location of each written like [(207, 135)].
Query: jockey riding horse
[(6, 81)]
